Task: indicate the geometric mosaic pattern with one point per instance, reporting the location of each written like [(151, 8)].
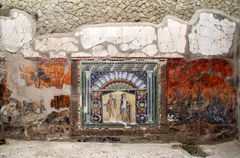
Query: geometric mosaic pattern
[(118, 92)]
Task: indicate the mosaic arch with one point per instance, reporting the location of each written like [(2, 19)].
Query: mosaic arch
[(119, 92)]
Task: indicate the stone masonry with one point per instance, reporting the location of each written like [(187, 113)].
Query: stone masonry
[(67, 15)]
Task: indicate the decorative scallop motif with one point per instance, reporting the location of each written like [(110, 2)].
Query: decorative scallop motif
[(118, 76)]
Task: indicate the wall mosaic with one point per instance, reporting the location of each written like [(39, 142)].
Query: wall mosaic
[(119, 92)]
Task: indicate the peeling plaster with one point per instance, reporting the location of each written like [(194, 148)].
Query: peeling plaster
[(22, 92), (16, 30), (136, 36), (211, 36), (68, 44), (171, 37)]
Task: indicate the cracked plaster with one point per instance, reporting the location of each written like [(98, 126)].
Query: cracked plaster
[(171, 37), (211, 33), (16, 30), (135, 36), (211, 36)]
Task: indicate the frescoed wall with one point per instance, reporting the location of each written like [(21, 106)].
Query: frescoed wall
[(201, 93)]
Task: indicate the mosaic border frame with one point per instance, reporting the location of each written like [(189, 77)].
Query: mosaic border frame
[(76, 116)]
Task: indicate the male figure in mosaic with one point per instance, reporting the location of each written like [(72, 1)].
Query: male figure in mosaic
[(111, 106)]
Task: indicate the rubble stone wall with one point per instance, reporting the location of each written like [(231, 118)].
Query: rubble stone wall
[(67, 15)]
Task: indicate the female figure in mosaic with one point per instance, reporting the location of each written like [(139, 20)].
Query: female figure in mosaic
[(125, 108)]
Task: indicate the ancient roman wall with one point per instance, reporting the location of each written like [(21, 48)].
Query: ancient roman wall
[(66, 15), (198, 79)]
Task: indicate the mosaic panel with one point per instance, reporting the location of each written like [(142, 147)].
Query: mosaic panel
[(118, 92)]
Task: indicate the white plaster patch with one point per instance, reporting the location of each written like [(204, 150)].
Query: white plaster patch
[(122, 55), (170, 55), (80, 54), (150, 50), (2, 54), (112, 50), (135, 36), (28, 52), (171, 37), (138, 54), (124, 47), (68, 44), (16, 30), (99, 51), (211, 36), (60, 54)]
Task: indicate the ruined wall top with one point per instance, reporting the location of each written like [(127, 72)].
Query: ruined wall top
[(207, 33)]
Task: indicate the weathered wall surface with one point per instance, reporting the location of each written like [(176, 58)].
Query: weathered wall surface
[(201, 94), (67, 15), (36, 94), (200, 74)]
